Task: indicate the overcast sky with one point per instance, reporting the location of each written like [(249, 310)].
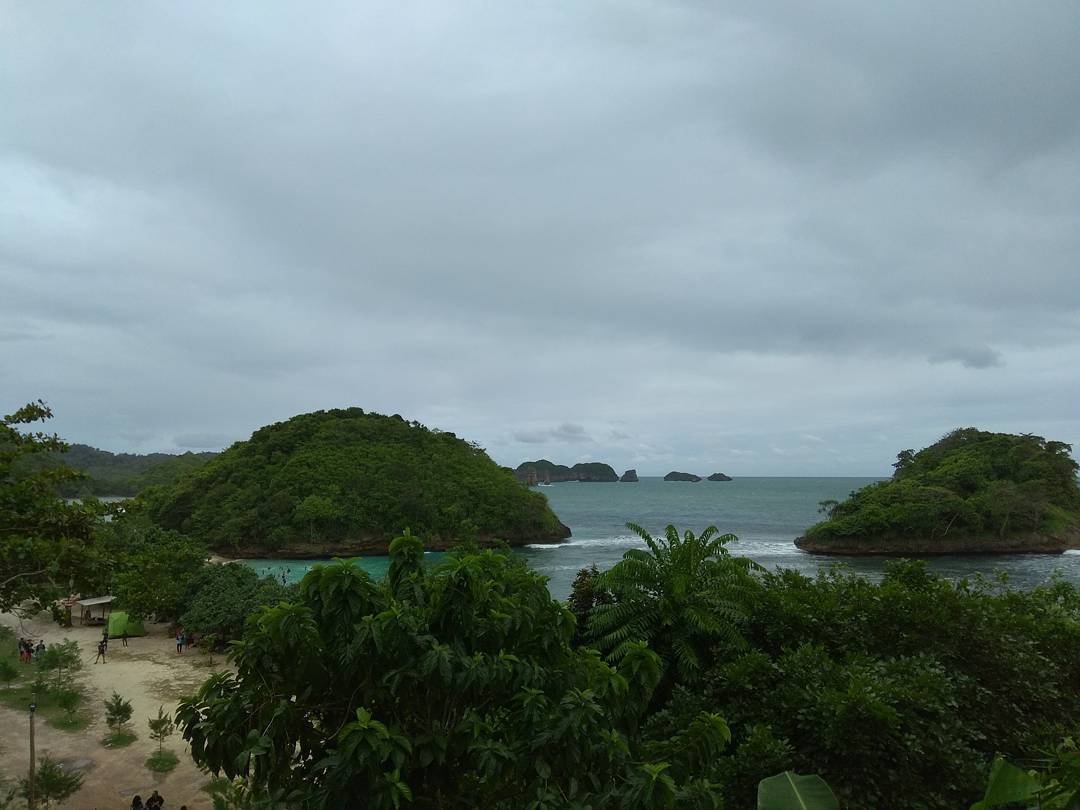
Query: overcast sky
[(692, 235)]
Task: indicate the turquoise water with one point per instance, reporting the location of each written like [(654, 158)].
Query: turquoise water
[(766, 514)]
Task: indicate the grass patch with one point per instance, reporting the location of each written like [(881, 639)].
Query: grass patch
[(119, 739), (161, 761), (19, 695), (72, 722)]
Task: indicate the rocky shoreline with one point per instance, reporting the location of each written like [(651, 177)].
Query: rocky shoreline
[(1032, 543), (373, 547)]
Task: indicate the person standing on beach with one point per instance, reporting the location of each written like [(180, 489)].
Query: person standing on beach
[(100, 652)]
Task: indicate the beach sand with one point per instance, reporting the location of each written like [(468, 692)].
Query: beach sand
[(149, 673)]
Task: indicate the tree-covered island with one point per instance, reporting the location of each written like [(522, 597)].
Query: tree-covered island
[(346, 482), (971, 492)]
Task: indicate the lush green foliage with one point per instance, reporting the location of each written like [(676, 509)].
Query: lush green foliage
[(111, 474), (792, 791), (221, 597), (155, 571), (680, 595), (1056, 787), (44, 542), (450, 687), (344, 476), (899, 694), (52, 783), (970, 483)]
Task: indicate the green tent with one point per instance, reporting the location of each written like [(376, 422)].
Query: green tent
[(120, 621)]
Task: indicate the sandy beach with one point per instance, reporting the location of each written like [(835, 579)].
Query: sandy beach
[(149, 673)]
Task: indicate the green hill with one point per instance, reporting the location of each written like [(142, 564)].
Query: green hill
[(345, 482), (972, 491), (117, 473)]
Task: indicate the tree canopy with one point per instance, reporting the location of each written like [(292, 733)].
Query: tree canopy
[(449, 687), (105, 473), (346, 481), (46, 544), (969, 485)]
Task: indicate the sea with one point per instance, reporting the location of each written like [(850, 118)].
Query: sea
[(765, 514)]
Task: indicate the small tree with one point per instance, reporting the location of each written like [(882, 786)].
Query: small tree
[(117, 712), (63, 657), (161, 727), (68, 700), (210, 641), (52, 783), (8, 672)]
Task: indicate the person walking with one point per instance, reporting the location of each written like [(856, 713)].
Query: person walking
[(155, 802), (100, 652), (124, 638), (180, 641), (105, 637), (136, 803)]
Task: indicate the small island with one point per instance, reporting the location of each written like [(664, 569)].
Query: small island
[(546, 472), (682, 476), (719, 476), (972, 492), (345, 483), (630, 476)]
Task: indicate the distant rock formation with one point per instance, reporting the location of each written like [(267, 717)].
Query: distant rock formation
[(630, 476), (682, 476), (532, 472), (718, 476)]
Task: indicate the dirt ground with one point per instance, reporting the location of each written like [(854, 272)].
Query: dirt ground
[(149, 673)]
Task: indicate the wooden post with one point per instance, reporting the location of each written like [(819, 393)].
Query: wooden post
[(33, 764)]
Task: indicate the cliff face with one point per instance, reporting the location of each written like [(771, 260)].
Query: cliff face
[(682, 476), (719, 476), (1031, 543), (630, 476)]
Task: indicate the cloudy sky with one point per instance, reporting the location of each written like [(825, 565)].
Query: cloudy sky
[(706, 236)]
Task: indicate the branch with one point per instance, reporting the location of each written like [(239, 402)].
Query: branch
[(23, 574)]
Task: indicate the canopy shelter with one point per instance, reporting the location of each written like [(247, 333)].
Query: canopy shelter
[(120, 622), (87, 607)]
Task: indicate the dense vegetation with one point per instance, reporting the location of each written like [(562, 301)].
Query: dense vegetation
[(972, 490), (544, 470), (898, 693), (110, 474), (682, 677), (466, 685), (44, 542), (455, 687), (345, 481)]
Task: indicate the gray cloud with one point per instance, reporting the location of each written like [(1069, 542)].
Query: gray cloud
[(566, 433), (688, 227), (203, 441), (971, 357)]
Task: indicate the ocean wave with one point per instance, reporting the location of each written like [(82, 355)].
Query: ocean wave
[(621, 540)]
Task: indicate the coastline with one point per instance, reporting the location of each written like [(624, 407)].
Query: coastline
[(1033, 543)]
